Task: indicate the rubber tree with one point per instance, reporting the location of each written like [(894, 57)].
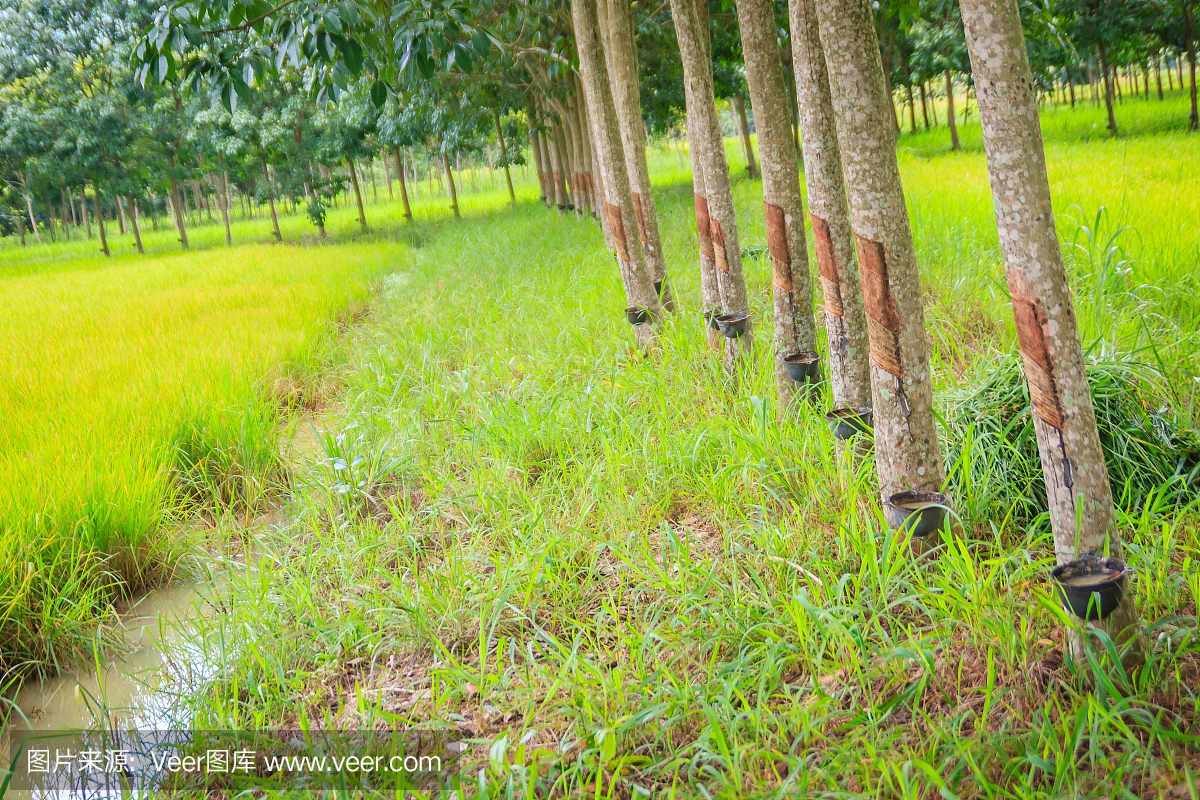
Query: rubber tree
[(907, 453), (512, 196), (743, 123), (620, 50), (708, 146), (536, 149), (618, 197), (710, 290), (833, 239), (1064, 420), (783, 206)]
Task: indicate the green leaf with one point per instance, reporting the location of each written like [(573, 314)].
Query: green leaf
[(348, 12), (333, 23), (482, 43), (379, 93), (352, 52), (236, 15), (607, 741)]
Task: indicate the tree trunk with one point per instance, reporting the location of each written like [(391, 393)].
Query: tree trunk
[(563, 147), (133, 223), (791, 284), (954, 144), (1189, 41), (556, 166), (739, 106), (453, 189), (362, 215), (1081, 503), (618, 203), (512, 196), (374, 183), (21, 228), (1108, 93), (399, 159), (589, 167), (709, 146), (387, 171), (621, 52), (32, 220), (271, 199), (912, 110), (100, 222), (1157, 78), (924, 107), (535, 149), (833, 239), (70, 203), (83, 210), (1071, 88), (907, 453), (176, 203), (120, 215)]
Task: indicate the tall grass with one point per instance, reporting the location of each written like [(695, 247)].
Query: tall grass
[(134, 389)]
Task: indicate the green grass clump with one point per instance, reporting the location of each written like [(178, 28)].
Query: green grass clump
[(991, 450)]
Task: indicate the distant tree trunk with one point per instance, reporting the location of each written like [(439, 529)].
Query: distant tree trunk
[(912, 110), (710, 146), (1081, 502), (387, 171), (362, 215), (69, 202), (374, 183), (743, 123), (83, 210), (907, 452), (133, 222), (120, 215), (535, 149), (573, 153), (833, 239), (399, 159), (1179, 67), (176, 203), (271, 198), (924, 107), (100, 221), (21, 228), (1108, 93), (220, 185), (589, 166), (954, 144), (32, 220), (1071, 87), (621, 51), (453, 189), (618, 203), (512, 196), (563, 146), (791, 284), (1157, 78), (1189, 42)]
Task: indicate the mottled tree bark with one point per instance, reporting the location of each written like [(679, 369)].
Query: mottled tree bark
[(622, 69), (1189, 38), (1081, 503), (739, 107), (833, 239), (791, 284), (708, 145), (907, 453), (556, 168), (618, 204)]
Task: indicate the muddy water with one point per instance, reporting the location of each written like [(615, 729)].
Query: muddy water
[(142, 689)]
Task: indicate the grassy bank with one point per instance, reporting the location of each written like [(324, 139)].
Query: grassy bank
[(618, 578)]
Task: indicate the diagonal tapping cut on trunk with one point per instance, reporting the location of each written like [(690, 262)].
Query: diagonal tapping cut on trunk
[(1064, 419), (907, 451), (833, 240)]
